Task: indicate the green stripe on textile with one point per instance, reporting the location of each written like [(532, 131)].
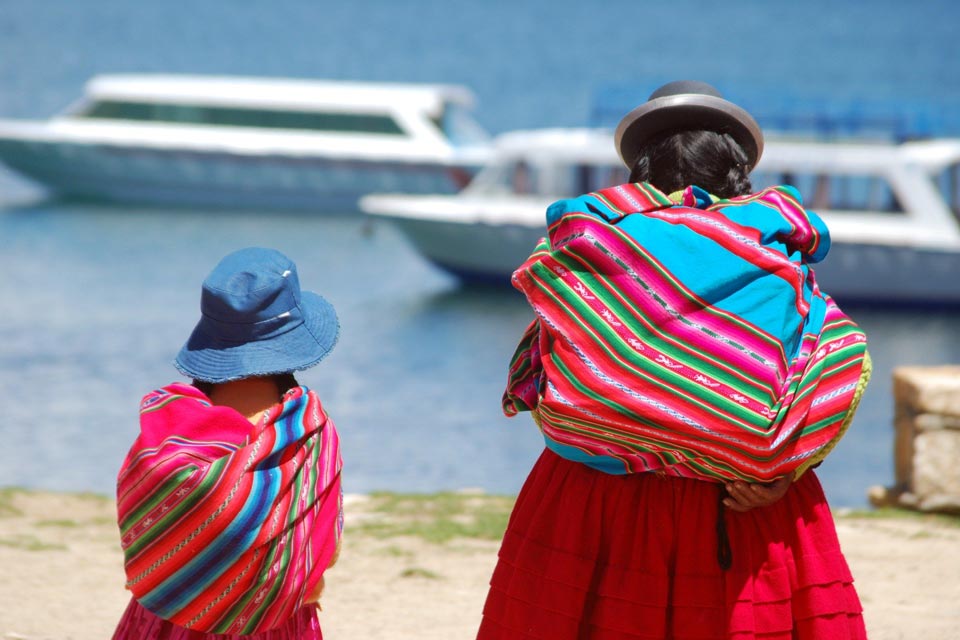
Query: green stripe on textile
[(639, 251), (649, 372), (599, 429), (199, 493), (266, 565), (606, 289), (606, 431), (832, 363), (600, 399), (673, 348), (649, 445), (161, 404), (159, 495)]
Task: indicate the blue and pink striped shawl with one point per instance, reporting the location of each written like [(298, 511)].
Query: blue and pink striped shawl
[(685, 335), (227, 527)]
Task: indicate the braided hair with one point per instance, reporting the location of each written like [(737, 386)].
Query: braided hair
[(710, 160)]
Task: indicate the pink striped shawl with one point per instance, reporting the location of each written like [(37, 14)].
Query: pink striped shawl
[(685, 336), (227, 527)]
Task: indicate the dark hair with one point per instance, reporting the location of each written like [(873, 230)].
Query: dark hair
[(284, 382), (710, 160)]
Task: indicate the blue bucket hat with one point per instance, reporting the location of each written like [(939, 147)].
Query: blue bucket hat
[(255, 321)]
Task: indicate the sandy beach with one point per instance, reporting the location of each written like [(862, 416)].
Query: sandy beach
[(417, 567)]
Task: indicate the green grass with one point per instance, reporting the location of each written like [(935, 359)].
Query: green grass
[(892, 513), (63, 524), (436, 517), (30, 543), (417, 572), (7, 495), (92, 497)]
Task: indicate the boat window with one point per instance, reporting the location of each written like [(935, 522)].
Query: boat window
[(459, 127), (555, 180), (949, 184), (524, 178), (236, 117), (576, 179), (835, 192)]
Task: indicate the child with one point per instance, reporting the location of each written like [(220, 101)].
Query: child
[(229, 502)]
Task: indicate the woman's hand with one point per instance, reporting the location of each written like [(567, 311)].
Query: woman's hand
[(742, 496)]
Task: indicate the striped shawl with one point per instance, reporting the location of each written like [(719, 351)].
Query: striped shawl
[(685, 335), (227, 527)]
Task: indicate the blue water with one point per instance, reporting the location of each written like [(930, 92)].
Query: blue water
[(96, 300)]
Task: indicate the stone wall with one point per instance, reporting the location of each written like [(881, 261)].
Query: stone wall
[(926, 440)]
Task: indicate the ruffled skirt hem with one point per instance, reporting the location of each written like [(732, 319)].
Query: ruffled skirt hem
[(591, 555), (137, 623)]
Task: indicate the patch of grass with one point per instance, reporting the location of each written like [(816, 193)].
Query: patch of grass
[(417, 572), (93, 497), (892, 513), (65, 524), (31, 543), (437, 517), (7, 495), (396, 552)]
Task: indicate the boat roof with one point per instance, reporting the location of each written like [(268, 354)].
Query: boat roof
[(564, 144), (932, 156), (596, 145), (265, 92)]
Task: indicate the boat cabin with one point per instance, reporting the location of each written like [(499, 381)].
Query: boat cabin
[(306, 106), (859, 181), (551, 163)]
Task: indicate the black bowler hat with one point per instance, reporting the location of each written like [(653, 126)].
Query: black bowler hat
[(687, 105)]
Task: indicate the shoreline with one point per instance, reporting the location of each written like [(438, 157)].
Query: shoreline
[(417, 566)]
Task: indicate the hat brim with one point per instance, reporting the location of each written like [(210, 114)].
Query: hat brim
[(209, 358), (687, 112)]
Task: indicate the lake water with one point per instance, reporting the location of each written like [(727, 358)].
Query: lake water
[(96, 300)]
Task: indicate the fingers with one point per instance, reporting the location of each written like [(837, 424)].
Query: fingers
[(743, 496), (740, 497), (736, 506)]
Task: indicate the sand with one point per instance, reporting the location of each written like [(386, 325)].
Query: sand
[(63, 576)]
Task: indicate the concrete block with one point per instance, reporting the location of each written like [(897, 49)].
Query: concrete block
[(934, 390), (936, 464)]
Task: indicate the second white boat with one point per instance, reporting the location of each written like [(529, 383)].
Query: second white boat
[(892, 209)]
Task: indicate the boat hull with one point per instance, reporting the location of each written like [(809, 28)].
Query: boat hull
[(474, 252), (891, 274), (852, 272), (177, 177)]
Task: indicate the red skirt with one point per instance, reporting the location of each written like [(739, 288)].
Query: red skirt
[(624, 557), (138, 623)]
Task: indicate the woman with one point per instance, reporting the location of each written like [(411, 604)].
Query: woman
[(229, 502), (687, 373)]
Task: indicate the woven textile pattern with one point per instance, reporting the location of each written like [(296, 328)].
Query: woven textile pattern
[(685, 335), (227, 526)]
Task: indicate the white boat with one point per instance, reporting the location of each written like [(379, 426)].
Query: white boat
[(250, 142), (892, 209)]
